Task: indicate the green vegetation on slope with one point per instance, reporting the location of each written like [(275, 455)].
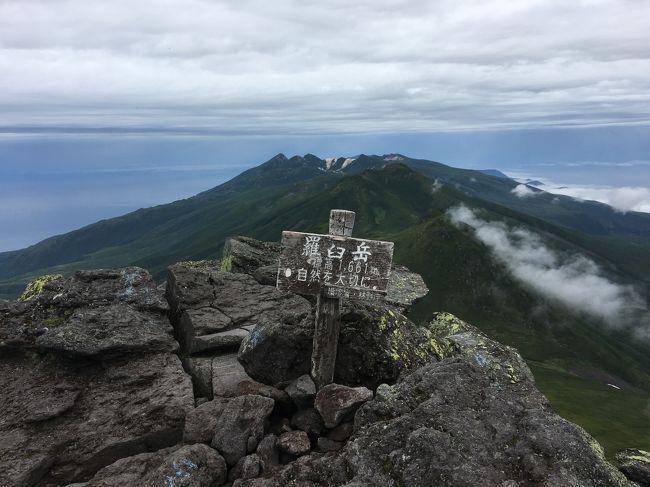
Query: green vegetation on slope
[(616, 418), (397, 204)]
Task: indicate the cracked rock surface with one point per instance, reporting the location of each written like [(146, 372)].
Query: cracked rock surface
[(205, 302), (87, 377), (96, 392)]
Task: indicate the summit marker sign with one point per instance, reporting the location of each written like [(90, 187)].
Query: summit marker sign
[(332, 267), (339, 267)]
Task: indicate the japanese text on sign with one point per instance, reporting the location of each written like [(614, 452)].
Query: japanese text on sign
[(342, 266)]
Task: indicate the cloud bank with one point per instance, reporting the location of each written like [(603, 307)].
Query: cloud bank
[(626, 198), (523, 191), (575, 281), (621, 198), (253, 66)]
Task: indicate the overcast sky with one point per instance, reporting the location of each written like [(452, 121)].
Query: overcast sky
[(249, 66), (107, 106)]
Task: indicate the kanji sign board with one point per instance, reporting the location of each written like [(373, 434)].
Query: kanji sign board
[(337, 267)]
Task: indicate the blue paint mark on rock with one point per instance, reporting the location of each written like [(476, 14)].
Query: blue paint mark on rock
[(481, 361), (179, 473), (256, 338), (189, 463)]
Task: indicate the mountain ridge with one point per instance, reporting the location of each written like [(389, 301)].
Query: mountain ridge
[(603, 223), (400, 204)]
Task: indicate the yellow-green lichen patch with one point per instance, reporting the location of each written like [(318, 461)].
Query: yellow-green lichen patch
[(35, 287), (226, 264), (382, 325), (510, 370), (436, 349), (387, 393), (641, 456)]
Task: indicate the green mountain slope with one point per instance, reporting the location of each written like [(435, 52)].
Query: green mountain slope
[(137, 235), (396, 203)]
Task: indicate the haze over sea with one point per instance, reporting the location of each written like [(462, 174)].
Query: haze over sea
[(52, 184)]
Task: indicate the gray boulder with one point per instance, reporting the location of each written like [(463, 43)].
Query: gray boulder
[(336, 403), (240, 426), (302, 391), (404, 288), (115, 329), (342, 432), (326, 445), (376, 345), (63, 420), (474, 418), (206, 303), (245, 255), (181, 466), (93, 313), (268, 452), (294, 443), (248, 467), (201, 423), (635, 465), (200, 368), (276, 352), (87, 377), (227, 375)]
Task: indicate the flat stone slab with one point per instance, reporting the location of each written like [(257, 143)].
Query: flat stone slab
[(405, 287), (109, 330), (62, 420), (206, 302), (227, 373), (98, 313), (188, 466), (223, 341)]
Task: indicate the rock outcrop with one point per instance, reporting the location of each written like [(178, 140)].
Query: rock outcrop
[(88, 377), (376, 344), (179, 466), (474, 418), (106, 383), (635, 465)]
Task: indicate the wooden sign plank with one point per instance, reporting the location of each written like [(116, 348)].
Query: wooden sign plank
[(334, 266)]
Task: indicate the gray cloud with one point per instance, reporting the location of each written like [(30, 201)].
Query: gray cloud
[(575, 281), (626, 198), (621, 198), (253, 66), (524, 191)]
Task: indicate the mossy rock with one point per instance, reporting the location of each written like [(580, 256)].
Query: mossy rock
[(450, 336), (635, 465), (35, 287)]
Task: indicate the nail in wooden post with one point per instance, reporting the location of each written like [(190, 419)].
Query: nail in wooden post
[(326, 333)]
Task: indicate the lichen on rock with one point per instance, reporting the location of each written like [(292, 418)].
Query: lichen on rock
[(35, 287)]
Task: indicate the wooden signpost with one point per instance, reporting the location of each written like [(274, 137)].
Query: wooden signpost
[(333, 266)]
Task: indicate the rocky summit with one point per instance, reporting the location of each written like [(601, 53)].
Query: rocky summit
[(111, 380)]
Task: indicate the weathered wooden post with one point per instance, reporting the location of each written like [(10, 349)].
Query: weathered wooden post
[(326, 333), (332, 267)]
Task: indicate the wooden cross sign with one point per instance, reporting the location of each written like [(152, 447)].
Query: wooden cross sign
[(332, 267)]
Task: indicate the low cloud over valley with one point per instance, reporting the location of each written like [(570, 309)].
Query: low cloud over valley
[(573, 280)]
